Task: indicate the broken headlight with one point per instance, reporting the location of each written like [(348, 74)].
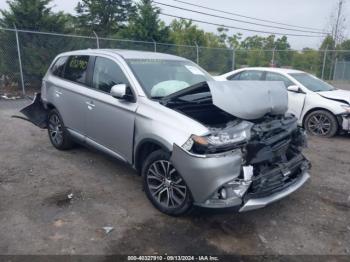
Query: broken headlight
[(219, 141)]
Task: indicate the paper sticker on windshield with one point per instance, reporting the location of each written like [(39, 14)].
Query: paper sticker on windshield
[(194, 70)]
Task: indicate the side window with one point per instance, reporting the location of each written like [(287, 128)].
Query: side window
[(76, 69), (58, 67), (251, 75), (278, 77), (107, 74), (234, 77)]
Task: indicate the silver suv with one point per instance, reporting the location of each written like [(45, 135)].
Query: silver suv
[(195, 141)]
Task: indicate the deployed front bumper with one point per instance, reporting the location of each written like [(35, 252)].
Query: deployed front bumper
[(255, 203), (36, 112), (207, 176)]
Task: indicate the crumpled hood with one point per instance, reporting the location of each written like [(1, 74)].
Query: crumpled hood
[(249, 99), (339, 94)]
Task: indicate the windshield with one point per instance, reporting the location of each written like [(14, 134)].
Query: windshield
[(311, 82), (160, 78)]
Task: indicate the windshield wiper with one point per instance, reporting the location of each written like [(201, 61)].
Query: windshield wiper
[(201, 98), (156, 97), (325, 90)]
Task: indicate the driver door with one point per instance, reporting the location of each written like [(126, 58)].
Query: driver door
[(110, 121), (296, 103)]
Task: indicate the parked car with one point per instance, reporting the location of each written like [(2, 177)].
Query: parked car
[(322, 109), (178, 127)]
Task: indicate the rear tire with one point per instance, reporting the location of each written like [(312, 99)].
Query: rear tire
[(321, 123), (164, 186), (58, 134)]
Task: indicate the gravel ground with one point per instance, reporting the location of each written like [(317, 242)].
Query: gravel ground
[(37, 218)]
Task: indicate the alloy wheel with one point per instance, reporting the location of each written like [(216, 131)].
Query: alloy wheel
[(165, 185), (319, 124), (55, 129)]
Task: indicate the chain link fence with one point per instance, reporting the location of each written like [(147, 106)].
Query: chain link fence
[(26, 55), (9, 66), (342, 71)]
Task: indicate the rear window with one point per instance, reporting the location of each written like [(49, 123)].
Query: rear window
[(58, 67), (76, 69)]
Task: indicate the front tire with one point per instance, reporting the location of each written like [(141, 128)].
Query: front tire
[(164, 186), (58, 133), (321, 123)]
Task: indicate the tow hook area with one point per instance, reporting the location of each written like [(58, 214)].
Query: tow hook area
[(35, 113)]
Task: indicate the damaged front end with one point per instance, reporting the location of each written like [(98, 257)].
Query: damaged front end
[(241, 163), (278, 166)]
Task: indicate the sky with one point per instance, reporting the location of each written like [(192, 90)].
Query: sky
[(306, 13)]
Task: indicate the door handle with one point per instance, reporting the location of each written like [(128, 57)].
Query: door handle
[(58, 93), (90, 105)]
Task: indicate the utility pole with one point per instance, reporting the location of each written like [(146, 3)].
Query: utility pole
[(336, 37), (336, 31)]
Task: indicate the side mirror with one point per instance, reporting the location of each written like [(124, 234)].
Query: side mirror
[(294, 88), (122, 91)]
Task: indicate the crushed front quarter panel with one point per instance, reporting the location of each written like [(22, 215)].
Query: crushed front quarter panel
[(205, 175)]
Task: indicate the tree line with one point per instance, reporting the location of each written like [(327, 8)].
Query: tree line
[(122, 19)]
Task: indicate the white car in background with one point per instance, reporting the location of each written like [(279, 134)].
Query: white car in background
[(320, 108)]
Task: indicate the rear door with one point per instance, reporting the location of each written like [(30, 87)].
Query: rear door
[(69, 89), (110, 122)]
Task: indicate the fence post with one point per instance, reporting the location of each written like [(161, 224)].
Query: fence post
[(332, 69), (233, 58), (273, 57), (335, 68), (19, 61), (97, 40), (324, 61), (197, 53), (155, 45)]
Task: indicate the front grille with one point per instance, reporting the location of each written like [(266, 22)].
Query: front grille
[(271, 140)]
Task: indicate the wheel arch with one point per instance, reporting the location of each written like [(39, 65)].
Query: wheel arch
[(144, 148), (49, 106), (316, 109)]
